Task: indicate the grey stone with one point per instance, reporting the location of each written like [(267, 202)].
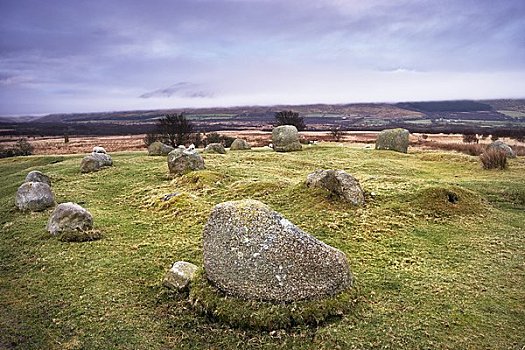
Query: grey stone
[(69, 217), (95, 162), (182, 160), (215, 148), (239, 145), (500, 145), (179, 276), (37, 176), (339, 183), (285, 138), (393, 139), (34, 196), (159, 149), (252, 252), (98, 149)]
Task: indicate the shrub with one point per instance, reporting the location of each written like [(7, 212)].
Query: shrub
[(21, 148), (470, 138), (337, 133), (494, 159), (175, 129), (214, 137), (289, 118), (150, 138)]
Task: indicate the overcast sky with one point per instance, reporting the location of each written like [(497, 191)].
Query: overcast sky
[(89, 55)]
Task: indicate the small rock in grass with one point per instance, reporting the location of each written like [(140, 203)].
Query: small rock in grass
[(34, 196), (69, 217), (159, 149), (285, 138), (339, 183), (182, 160), (215, 148), (393, 139), (179, 276), (502, 146), (239, 145), (37, 176)]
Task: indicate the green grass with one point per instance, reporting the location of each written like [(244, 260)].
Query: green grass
[(429, 273)]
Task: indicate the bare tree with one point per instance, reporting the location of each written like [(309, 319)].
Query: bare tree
[(290, 118), (337, 132), (175, 129)]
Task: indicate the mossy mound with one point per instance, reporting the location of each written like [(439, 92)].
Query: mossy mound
[(265, 315), (201, 179), (448, 201), (80, 236)]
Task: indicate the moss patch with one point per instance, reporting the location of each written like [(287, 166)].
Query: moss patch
[(236, 312)]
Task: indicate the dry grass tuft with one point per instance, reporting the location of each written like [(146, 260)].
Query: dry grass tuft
[(494, 159)]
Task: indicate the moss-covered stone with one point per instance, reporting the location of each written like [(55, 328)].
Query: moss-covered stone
[(266, 315), (393, 140)]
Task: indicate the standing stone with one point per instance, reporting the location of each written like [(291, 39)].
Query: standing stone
[(34, 196), (285, 138), (95, 162), (37, 176), (393, 139), (239, 145), (182, 160), (69, 217), (98, 149), (502, 146), (179, 276), (215, 148), (159, 149), (252, 252), (339, 183)]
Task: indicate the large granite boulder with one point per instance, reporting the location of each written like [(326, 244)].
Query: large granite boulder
[(215, 148), (37, 176), (393, 139), (69, 217), (182, 160), (252, 252), (159, 149), (34, 196), (285, 138), (339, 183), (95, 162), (239, 145), (179, 276), (502, 146)]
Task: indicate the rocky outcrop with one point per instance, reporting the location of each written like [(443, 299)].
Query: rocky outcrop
[(95, 162), (338, 183), (393, 140), (285, 138), (252, 252), (34, 196)]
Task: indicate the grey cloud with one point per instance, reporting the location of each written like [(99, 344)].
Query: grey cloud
[(182, 89)]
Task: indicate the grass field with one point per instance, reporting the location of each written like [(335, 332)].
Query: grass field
[(429, 274)]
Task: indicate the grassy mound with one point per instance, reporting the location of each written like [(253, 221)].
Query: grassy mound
[(252, 314), (448, 201)]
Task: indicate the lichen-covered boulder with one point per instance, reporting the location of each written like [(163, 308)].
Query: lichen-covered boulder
[(285, 138), (182, 160), (502, 146), (34, 196), (159, 149), (179, 276), (239, 145), (252, 252), (95, 162), (69, 217), (339, 183), (98, 149), (393, 139), (215, 148), (37, 176)]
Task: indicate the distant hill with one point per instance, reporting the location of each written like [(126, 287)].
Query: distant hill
[(488, 116)]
